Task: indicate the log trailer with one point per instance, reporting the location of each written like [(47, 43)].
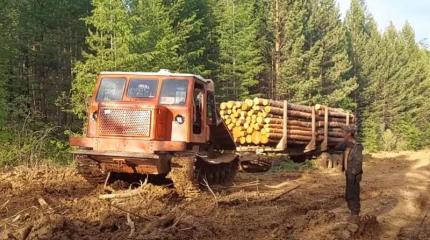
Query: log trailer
[(265, 126), (163, 123)]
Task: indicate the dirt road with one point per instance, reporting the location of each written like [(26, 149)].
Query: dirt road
[(55, 203)]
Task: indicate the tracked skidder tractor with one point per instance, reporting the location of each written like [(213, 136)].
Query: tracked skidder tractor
[(157, 123)]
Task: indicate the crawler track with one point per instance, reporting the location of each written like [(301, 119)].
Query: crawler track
[(90, 170), (190, 174), (215, 174)]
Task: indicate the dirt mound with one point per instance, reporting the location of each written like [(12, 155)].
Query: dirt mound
[(56, 203)]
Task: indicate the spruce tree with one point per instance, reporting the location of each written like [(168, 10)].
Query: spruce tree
[(264, 44), (110, 34), (240, 61), (139, 35), (363, 39), (394, 93), (360, 30), (371, 127), (200, 48), (161, 34), (411, 96), (329, 77), (293, 48)]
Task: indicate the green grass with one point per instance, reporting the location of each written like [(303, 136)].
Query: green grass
[(291, 166)]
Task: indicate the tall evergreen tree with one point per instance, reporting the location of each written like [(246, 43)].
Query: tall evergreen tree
[(42, 38), (329, 77), (110, 34), (200, 48), (138, 35), (241, 60), (364, 50), (293, 49), (162, 34), (394, 92), (7, 49), (264, 44), (370, 123)]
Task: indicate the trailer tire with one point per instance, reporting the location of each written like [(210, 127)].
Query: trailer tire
[(323, 160), (330, 162), (337, 159)]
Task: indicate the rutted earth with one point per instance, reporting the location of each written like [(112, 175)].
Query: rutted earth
[(55, 203)]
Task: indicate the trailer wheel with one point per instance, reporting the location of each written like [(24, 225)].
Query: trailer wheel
[(337, 159), (330, 162), (323, 160)]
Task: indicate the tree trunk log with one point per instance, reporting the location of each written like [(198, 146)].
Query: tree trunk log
[(280, 104), (273, 121), (331, 124), (256, 137), (299, 132)]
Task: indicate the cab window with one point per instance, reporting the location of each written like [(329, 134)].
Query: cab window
[(174, 92), (142, 88), (111, 89)]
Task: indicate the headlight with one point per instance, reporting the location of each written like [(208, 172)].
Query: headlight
[(179, 119), (94, 116)]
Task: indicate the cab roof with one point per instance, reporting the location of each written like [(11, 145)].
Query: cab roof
[(162, 72)]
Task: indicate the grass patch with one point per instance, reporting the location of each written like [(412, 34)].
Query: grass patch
[(291, 166)]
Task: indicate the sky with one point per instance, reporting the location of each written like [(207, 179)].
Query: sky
[(416, 12)]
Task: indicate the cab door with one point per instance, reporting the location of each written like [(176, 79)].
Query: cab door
[(199, 128)]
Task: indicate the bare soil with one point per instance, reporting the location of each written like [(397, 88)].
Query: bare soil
[(56, 203)]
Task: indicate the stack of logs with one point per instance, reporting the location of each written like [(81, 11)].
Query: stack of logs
[(260, 122)]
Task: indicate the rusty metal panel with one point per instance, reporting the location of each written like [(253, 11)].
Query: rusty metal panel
[(124, 122), (116, 154), (133, 145), (124, 168)]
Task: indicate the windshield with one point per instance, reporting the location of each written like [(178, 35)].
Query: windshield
[(142, 88), (174, 92), (111, 89)]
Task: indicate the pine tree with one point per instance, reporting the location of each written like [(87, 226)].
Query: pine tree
[(40, 39), (241, 60)]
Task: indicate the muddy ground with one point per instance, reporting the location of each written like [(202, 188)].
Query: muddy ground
[(55, 203)]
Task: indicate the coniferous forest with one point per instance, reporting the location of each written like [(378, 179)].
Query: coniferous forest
[(300, 50)]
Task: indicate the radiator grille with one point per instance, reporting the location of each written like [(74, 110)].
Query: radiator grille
[(124, 122)]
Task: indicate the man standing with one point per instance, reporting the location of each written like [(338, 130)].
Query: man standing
[(352, 165)]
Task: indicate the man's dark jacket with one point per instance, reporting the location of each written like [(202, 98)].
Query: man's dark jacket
[(354, 161)]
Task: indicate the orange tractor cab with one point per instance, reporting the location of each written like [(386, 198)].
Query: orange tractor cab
[(155, 123)]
